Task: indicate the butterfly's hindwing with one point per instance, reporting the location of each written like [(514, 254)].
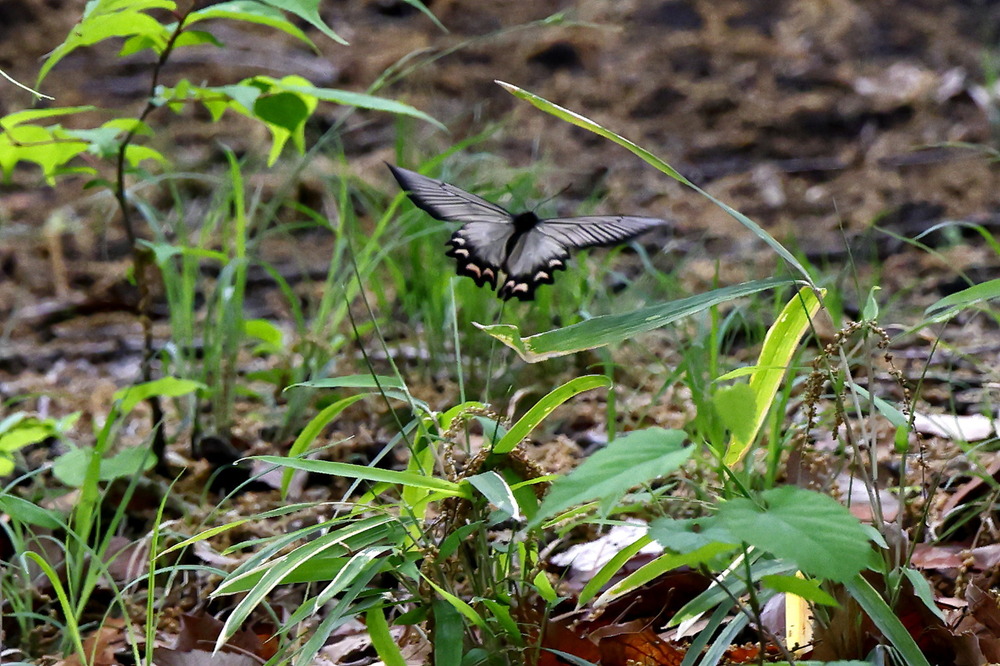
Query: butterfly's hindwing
[(532, 261), (545, 248), (478, 249)]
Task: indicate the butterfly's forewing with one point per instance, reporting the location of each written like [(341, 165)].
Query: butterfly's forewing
[(478, 248), (596, 230), (447, 202), (545, 248)]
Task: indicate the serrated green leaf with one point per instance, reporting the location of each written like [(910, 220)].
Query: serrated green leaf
[(690, 534), (812, 530)]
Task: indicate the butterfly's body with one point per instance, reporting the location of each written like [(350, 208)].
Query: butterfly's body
[(527, 249)]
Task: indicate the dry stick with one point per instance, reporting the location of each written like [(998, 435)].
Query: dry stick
[(141, 258)]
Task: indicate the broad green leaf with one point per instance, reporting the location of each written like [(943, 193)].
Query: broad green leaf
[(21, 510), (809, 590), (265, 331), (101, 25), (71, 468), (283, 109), (608, 329), (449, 632), (250, 12), (382, 640), (736, 406), (870, 311), (588, 124), (135, 155), (29, 115), (812, 530), (492, 486), (166, 387), (501, 613), (922, 588), (541, 409), (308, 11), (627, 462), (780, 345), (28, 432), (49, 148)]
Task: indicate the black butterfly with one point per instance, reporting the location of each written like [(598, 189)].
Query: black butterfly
[(526, 248)]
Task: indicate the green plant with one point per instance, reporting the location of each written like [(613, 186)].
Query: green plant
[(283, 106), (431, 528)]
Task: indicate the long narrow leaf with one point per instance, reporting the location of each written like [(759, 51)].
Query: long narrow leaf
[(608, 329), (886, 620), (588, 124), (780, 344), (368, 474), (545, 406)]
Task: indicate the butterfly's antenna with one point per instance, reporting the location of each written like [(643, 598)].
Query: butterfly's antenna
[(548, 199)]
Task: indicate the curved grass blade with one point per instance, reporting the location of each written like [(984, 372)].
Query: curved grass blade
[(588, 124), (607, 329), (545, 406)]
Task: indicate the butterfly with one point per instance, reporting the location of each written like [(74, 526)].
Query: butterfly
[(523, 247)]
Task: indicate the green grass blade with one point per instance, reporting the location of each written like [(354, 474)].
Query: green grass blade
[(368, 474), (950, 305), (382, 641), (545, 406), (311, 432), (885, 619), (607, 329), (588, 124)]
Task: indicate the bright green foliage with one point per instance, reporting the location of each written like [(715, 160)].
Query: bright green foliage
[(780, 346), (814, 531), (639, 457), (21, 429)]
